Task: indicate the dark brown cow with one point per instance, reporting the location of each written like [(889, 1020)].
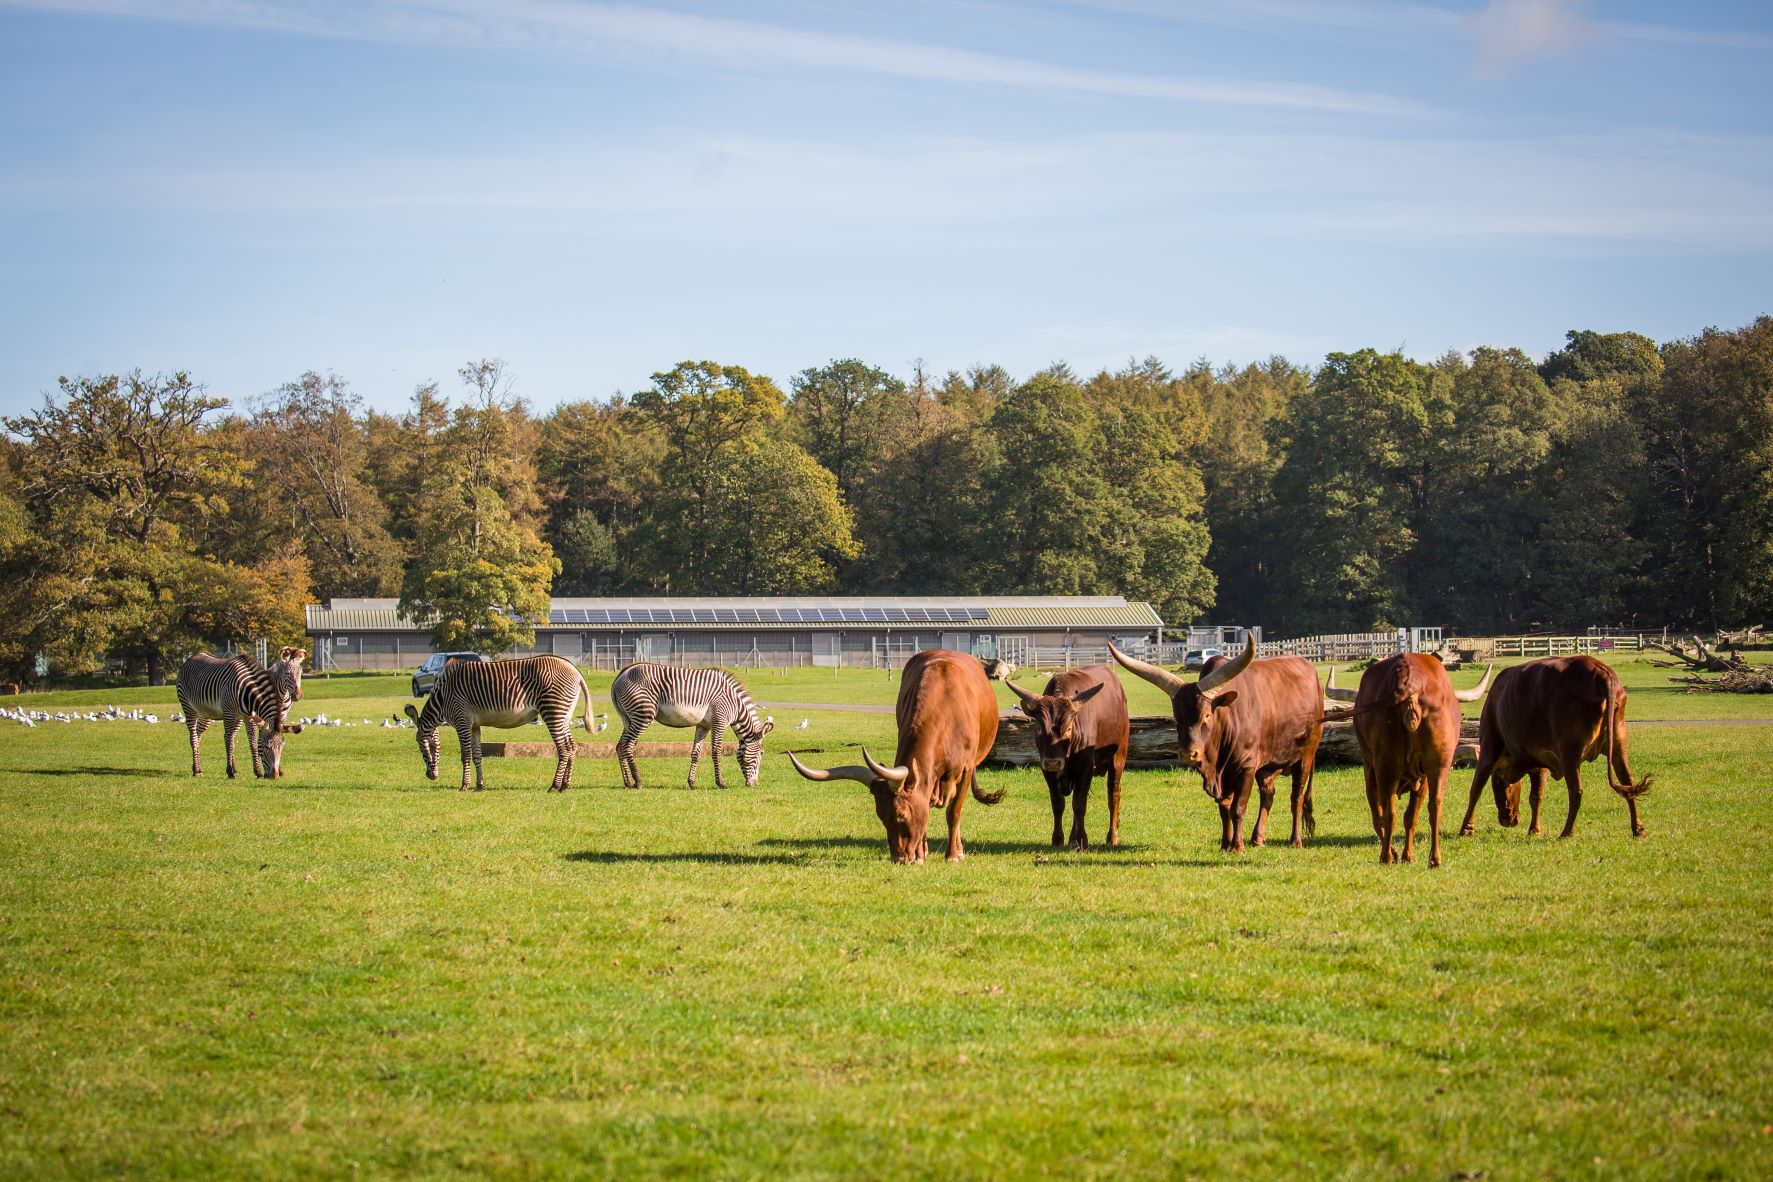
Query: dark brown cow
[(947, 723), (1552, 715), (1080, 732), (1406, 716), (1270, 723)]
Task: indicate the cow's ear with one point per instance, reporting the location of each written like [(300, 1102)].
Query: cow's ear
[(1225, 698), (1083, 696)]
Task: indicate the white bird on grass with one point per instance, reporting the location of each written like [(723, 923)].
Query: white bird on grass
[(803, 724)]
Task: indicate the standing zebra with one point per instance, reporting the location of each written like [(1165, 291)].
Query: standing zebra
[(472, 694), (708, 699), (234, 690), (286, 671)]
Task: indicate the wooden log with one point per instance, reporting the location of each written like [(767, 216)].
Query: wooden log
[(1152, 743), (594, 750)]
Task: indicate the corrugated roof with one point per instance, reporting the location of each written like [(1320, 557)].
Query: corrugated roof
[(1033, 612)]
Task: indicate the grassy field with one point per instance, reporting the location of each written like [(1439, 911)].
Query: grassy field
[(354, 971)]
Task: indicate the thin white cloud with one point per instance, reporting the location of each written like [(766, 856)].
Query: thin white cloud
[(1626, 192), (1509, 32), (612, 29), (1502, 32)]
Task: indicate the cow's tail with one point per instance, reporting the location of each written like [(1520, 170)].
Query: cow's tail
[(1308, 821), (1610, 720), (985, 797)]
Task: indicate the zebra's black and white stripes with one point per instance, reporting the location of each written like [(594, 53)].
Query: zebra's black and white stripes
[(708, 699), (509, 693), (234, 691)]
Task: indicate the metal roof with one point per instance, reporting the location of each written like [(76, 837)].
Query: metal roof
[(776, 613)]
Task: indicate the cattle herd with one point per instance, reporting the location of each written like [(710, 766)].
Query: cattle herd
[(1241, 725)]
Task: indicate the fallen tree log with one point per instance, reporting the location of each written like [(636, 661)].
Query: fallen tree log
[(1152, 743), (1753, 680), (1700, 659)]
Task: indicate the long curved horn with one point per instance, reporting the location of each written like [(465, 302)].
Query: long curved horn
[(1479, 690), (848, 772), (1162, 678), (1334, 692), (1025, 695), (1211, 683), (894, 774)]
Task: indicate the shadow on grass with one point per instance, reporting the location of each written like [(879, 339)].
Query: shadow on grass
[(620, 857), (149, 772)]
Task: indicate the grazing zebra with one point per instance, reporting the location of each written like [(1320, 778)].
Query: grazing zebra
[(472, 694), (708, 699), (235, 690)]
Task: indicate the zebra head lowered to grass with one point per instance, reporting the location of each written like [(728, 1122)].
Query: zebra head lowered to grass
[(235, 691), (708, 699), (508, 693)]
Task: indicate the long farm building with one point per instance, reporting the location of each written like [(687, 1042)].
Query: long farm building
[(772, 631)]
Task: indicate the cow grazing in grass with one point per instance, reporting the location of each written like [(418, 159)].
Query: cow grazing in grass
[(1242, 724), (1080, 732), (1552, 715), (947, 719), (1406, 716)]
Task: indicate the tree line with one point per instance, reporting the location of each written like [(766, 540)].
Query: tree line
[(1617, 482)]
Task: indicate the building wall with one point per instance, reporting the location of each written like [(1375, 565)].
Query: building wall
[(391, 651)]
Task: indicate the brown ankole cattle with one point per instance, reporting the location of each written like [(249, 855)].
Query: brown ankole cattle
[(1242, 724), (947, 717), (1552, 715), (1080, 732), (1406, 716)]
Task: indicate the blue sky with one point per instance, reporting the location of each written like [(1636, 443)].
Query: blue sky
[(388, 188)]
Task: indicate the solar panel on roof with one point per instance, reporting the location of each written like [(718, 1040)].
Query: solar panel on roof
[(556, 617), (597, 615), (726, 615), (853, 613), (873, 613)]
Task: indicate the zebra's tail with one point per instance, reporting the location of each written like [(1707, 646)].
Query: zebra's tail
[(585, 688)]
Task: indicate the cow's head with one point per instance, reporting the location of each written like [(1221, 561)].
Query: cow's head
[(427, 724), (1508, 802), (901, 800), (1196, 704), (1055, 723)]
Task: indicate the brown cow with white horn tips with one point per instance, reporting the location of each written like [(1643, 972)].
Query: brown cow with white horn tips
[(1552, 715), (1406, 716), (1080, 732), (1242, 724), (947, 717)]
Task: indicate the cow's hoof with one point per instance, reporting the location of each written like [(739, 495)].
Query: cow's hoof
[(1296, 843), (1637, 831), (1434, 863), (1468, 831)]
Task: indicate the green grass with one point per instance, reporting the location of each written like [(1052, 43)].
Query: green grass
[(356, 971)]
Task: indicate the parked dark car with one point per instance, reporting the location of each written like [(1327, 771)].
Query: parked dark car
[(432, 669)]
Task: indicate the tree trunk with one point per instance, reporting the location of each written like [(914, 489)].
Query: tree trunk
[(156, 668)]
